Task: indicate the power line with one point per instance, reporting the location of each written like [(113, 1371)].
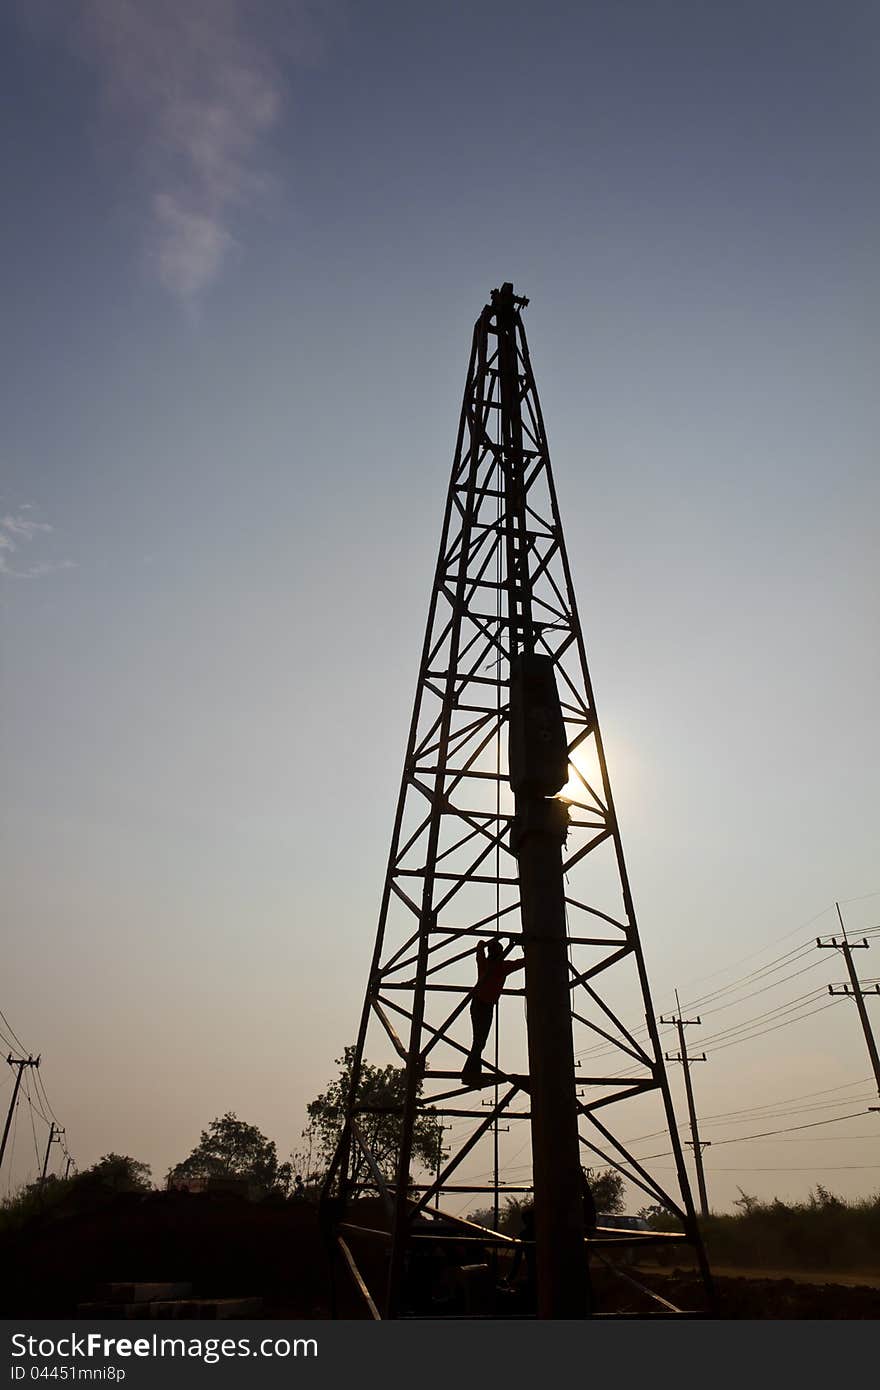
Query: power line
[(33, 1129), (18, 1042), (777, 964), (36, 1107), (802, 999), (41, 1098), (747, 1118), (753, 1111), (42, 1086), (862, 899), (769, 1133), (628, 1074), (754, 992), (788, 1100), (600, 1050), (751, 956), (754, 954), (776, 1026), (813, 1168), (791, 1129), (827, 1139), (787, 1112)]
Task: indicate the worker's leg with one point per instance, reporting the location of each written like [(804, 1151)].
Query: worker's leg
[(481, 1023)]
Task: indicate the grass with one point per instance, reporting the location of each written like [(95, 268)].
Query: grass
[(821, 1233)]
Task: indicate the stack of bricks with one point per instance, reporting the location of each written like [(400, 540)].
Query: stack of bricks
[(162, 1301)]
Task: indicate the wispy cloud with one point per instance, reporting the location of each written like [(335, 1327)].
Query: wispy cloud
[(17, 530), (20, 525), (197, 86)]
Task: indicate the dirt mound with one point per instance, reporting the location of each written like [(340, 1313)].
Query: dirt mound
[(776, 1298)]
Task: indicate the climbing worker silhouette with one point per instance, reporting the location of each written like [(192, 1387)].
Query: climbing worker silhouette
[(492, 971)]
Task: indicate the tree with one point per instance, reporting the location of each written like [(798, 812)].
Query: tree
[(115, 1173), (659, 1218), (821, 1198), (230, 1148), (484, 1216), (381, 1092), (113, 1177), (607, 1188), (746, 1202), (510, 1219)]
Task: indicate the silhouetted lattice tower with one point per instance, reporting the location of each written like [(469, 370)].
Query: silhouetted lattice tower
[(578, 1066)]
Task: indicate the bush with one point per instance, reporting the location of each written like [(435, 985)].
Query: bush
[(85, 1191), (822, 1232)]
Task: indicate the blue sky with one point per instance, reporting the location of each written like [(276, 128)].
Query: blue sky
[(244, 249)]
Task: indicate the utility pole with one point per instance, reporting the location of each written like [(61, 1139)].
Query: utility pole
[(441, 1130), (538, 762), (496, 1200), (21, 1063), (537, 836), (695, 1143), (67, 1167), (55, 1133), (854, 988)]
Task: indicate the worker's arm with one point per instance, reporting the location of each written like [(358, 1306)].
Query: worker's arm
[(511, 965), (481, 955)]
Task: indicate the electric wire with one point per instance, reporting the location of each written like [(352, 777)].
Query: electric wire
[(813, 1168), (786, 1024), (747, 1139), (798, 1002), (752, 994), (42, 1087), (782, 937), (769, 1110), (777, 963), (789, 1100), (33, 1128), (602, 1050), (628, 1074), (38, 1103), (790, 1111), (18, 1043)]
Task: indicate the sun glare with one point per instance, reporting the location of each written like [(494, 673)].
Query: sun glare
[(574, 789)]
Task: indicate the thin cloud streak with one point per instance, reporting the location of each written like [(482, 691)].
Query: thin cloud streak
[(197, 86), (16, 530), (203, 92), (21, 526)]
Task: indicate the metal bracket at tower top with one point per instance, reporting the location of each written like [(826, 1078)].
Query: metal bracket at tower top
[(498, 297), (502, 592)]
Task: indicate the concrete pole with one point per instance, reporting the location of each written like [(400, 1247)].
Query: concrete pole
[(21, 1063), (692, 1114), (563, 1279), (48, 1151)]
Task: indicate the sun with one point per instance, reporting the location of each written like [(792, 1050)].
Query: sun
[(588, 768)]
